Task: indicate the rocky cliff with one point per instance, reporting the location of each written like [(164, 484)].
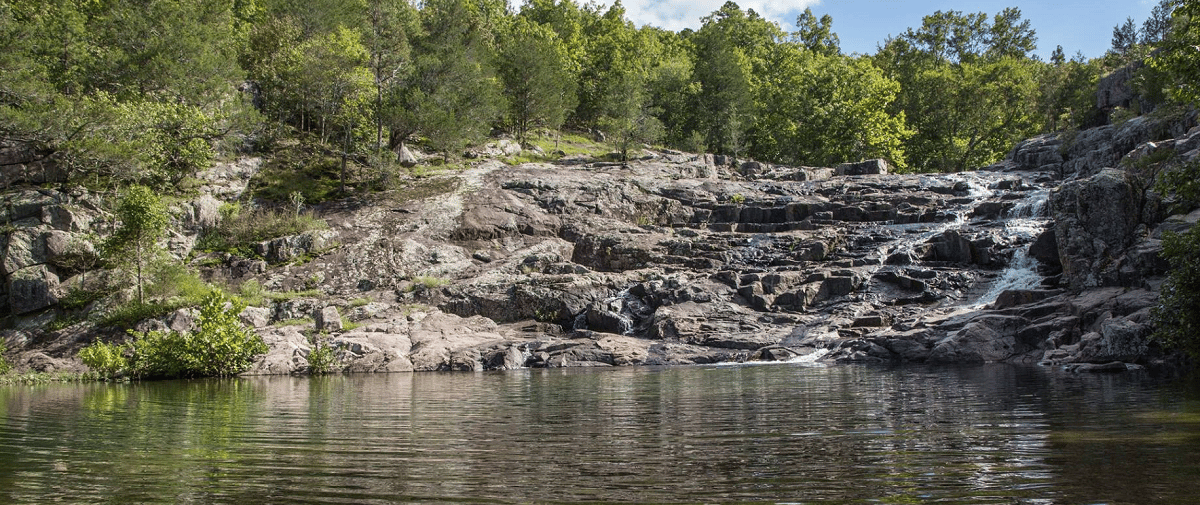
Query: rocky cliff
[(1050, 257)]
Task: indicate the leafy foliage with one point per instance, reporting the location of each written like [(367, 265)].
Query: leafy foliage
[(1179, 54), (967, 87), (321, 357), (107, 359), (221, 346), (5, 366), (143, 221), (1177, 315), (537, 81)]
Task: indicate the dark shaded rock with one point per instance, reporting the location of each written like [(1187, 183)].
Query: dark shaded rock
[(869, 167), (32, 288)]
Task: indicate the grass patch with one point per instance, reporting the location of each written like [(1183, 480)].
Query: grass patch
[(63, 322), (128, 315), (571, 144), (240, 229), (427, 282), (301, 321), (300, 166)]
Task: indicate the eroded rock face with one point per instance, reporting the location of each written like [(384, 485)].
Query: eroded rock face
[(682, 259)]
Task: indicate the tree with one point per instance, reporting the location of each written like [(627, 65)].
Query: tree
[(534, 66), (1179, 54), (816, 35), (733, 49), (391, 24), (828, 109), (1125, 36), (143, 221), (1156, 27), (1177, 316), (629, 119), (967, 87), (1010, 36), (456, 95)]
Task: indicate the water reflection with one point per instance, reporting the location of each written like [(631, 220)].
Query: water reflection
[(989, 434)]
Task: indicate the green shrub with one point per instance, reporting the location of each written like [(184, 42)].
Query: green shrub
[(104, 358), (169, 279), (252, 293), (321, 358), (5, 366), (1177, 315), (220, 347)]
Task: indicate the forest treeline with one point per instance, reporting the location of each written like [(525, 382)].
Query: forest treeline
[(150, 91)]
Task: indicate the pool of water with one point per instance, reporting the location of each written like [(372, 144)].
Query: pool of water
[(777, 433)]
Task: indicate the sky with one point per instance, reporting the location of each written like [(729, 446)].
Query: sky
[(862, 25)]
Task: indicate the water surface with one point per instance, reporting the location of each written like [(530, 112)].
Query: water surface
[(778, 433)]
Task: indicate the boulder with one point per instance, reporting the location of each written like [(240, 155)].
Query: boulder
[(869, 167), (288, 248), (405, 157), (327, 319), (25, 247), (32, 288), (255, 317)]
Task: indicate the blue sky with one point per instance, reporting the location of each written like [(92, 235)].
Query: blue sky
[(1076, 25)]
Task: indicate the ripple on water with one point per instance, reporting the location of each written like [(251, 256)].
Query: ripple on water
[(699, 434)]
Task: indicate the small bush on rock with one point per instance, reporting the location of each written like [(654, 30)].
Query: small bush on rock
[(221, 346)]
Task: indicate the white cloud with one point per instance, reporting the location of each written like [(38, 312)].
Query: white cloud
[(676, 15)]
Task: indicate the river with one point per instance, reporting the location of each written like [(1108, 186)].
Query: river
[(767, 433)]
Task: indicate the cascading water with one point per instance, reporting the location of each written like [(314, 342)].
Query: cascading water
[(1025, 221), (918, 234)]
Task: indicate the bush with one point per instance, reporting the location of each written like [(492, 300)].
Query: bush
[(5, 366), (1177, 316), (106, 359), (321, 357), (221, 346)]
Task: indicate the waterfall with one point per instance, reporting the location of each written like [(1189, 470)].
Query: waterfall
[(1026, 220)]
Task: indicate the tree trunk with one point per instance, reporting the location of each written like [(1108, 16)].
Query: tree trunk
[(138, 259)]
